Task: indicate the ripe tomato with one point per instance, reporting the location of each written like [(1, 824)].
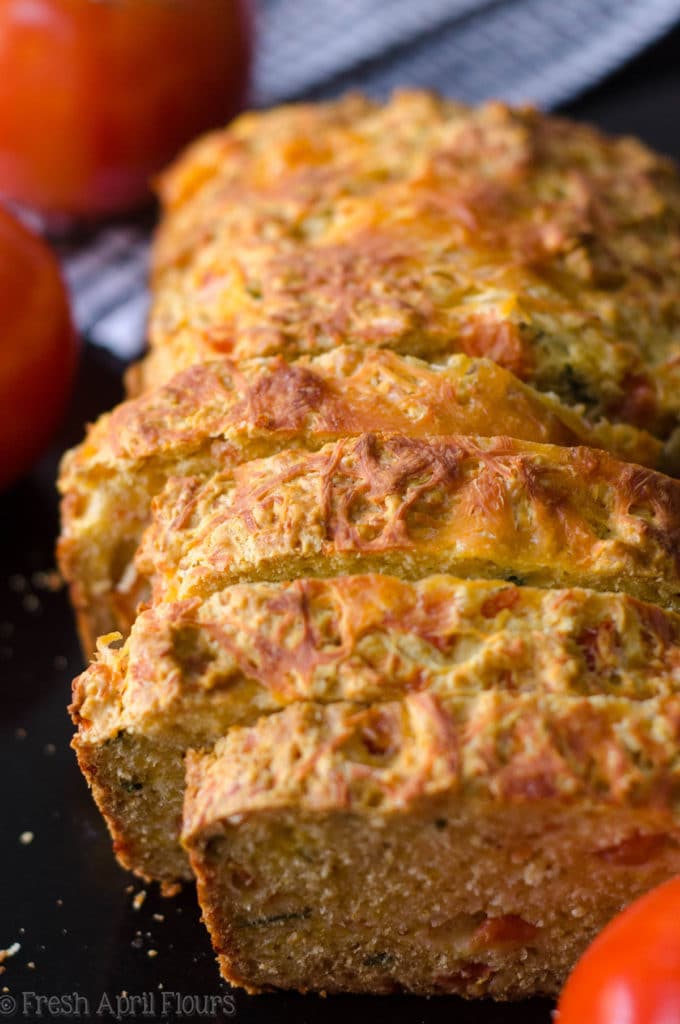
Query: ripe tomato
[(38, 347), (97, 95), (631, 972)]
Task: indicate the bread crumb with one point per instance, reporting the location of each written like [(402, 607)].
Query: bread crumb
[(129, 888), (31, 965), (49, 749), (49, 579), (170, 889), (152, 952), (158, 917), (26, 838), (10, 951), (139, 899)]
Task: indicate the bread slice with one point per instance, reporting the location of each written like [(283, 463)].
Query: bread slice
[(217, 415), (459, 844), (189, 671), (427, 227), (474, 507)]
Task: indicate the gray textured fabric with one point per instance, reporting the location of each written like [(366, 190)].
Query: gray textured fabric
[(545, 51)]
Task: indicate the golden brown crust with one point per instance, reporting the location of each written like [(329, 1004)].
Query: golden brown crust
[(190, 671), (485, 507), (216, 415), (427, 227), (196, 667), (505, 747), (341, 393)]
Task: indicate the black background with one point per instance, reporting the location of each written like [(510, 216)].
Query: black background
[(62, 896)]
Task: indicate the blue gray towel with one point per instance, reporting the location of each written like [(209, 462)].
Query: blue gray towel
[(545, 51)]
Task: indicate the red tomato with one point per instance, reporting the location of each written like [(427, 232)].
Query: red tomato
[(38, 347), (631, 972), (97, 95)]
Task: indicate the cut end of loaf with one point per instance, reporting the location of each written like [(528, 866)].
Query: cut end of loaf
[(451, 850), (466, 900)]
